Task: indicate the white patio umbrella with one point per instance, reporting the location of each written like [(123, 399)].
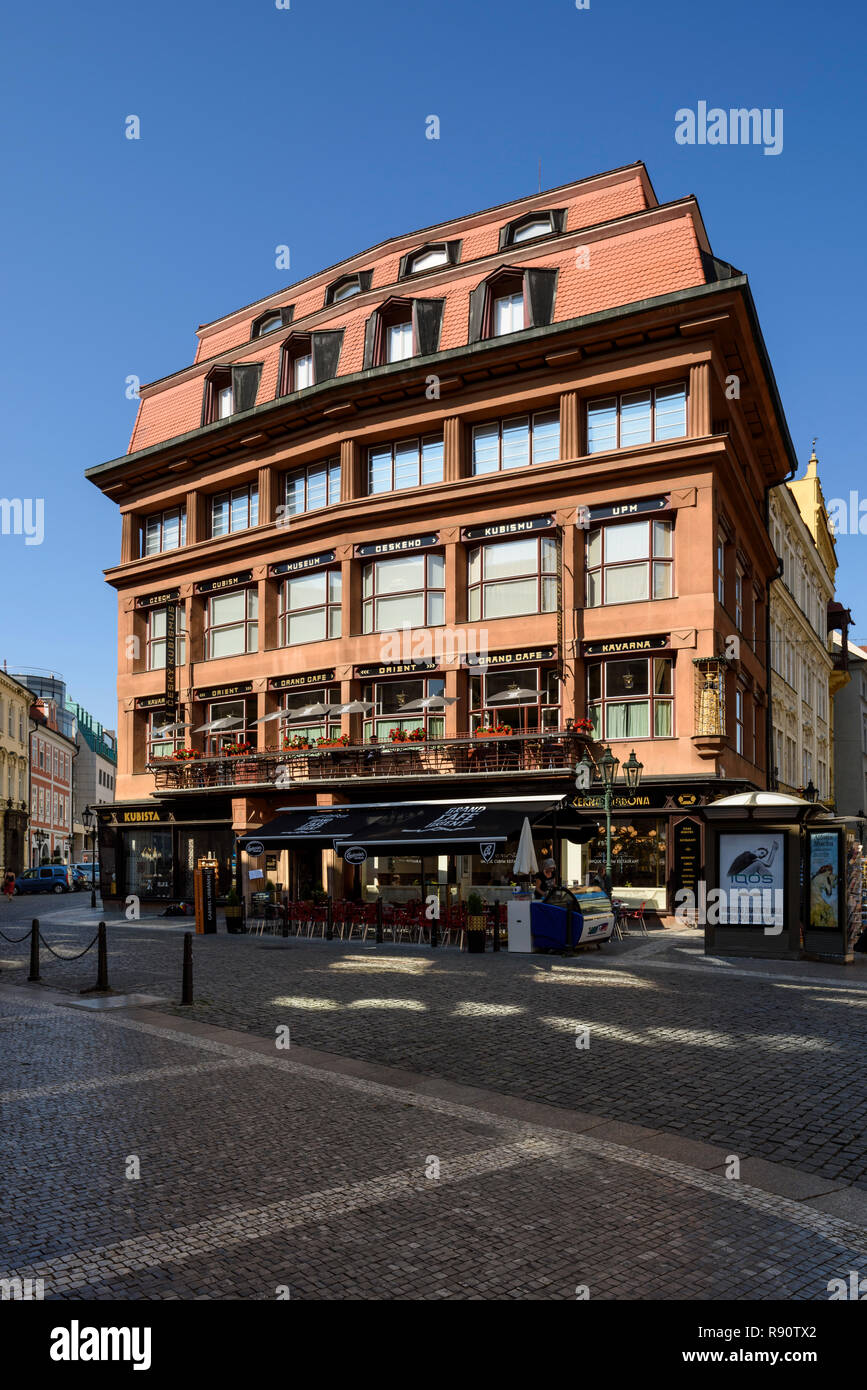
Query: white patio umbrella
[(517, 694), (354, 707), (525, 859), (225, 723), (431, 702), (171, 729), (275, 714), (310, 711)]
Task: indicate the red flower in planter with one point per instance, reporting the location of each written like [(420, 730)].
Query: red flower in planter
[(494, 731), (236, 750)]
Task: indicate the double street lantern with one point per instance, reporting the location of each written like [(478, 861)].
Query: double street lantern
[(607, 767), (89, 819)]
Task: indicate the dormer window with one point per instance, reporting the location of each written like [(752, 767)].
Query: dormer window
[(309, 359), (271, 321), (230, 390), (429, 257), (348, 286), (549, 222), (402, 328), (511, 300)]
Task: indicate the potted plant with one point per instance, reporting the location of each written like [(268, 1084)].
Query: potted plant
[(494, 731), (233, 911), (477, 924), (339, 742), (182, 755), (296, 741), (237, 750)]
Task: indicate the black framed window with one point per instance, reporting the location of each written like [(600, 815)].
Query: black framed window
[(526, 698), (636, 417), (162, 745), (631, 699), (310, 607), (348, 286), (402, 328), (407, 463), (404, 591), (510, 300), (629, 562), (245, 732), (533, 225), (232, 627), (271, 321), (390, 698), (309, 359), (235, 511), (508, 578), (308, 489)]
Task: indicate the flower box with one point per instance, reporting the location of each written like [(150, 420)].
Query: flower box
[(238, 750), (495, 731), (296, 742), (407, 736), (182, 755), (340, 742)]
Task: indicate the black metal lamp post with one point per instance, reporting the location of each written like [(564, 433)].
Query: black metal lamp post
[(89, 820), (607, 767), (811, 793), (70, 840)]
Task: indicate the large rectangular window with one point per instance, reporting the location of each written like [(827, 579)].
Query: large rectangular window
[(310, 607), (164, 531), (408, 590), (636, 417), (235, 511), (408, 463), (232, 626), (299, 724), (631, 699), (517, 442), (507, 578), (389, 700), (309, 489), (156, 638), (526, 698), (160, 744), (629, 561)]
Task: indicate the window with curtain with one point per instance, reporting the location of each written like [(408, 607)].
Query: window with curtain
[(390, 698), (517, 442), (408, 590), (232, 626), (631, 699), (508, 578), (629, 561), (310, 607), (508, 313)]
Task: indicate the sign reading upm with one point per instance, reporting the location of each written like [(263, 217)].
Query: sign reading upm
[(355, 854)]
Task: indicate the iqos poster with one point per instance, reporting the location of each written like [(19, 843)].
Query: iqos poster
[(752, 877)]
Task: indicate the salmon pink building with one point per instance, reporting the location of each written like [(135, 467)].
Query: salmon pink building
[(423, 527)]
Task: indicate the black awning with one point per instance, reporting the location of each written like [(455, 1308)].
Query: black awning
[(476, 827), (438, 827)]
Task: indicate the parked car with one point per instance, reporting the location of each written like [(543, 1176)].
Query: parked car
[(51, 878), (80, 880), (87, 870)]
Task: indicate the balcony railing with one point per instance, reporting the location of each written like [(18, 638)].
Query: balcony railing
[(545, 752)]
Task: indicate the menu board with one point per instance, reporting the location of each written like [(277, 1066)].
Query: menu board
[(686, 837)]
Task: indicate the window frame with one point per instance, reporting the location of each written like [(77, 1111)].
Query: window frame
[(650, 698), (252, 491), (392, 446), (152, 641), (329, 608), (476, 590), (332, 471), (651, 559), (328, 726), (533, 712), (181, 510), (431, 721), (430, 592), (531, 418), (618, 397), (248, 622)]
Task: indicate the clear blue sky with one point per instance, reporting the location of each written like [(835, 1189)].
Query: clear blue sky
[(306, 127)]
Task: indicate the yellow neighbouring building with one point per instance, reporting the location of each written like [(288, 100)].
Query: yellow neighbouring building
[(15, 702)]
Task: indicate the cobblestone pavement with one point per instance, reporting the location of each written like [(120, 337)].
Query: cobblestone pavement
[(261, 1174), (768, 1065)]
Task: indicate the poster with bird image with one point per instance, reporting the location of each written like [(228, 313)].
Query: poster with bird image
[(752, 878)]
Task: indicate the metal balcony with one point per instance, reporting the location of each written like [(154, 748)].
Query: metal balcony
[(543, 754)]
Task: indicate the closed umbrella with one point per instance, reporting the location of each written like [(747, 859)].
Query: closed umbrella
[(525, 860)]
